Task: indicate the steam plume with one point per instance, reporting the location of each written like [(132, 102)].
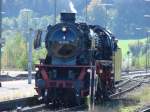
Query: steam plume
[(72, 8), (92, 4)]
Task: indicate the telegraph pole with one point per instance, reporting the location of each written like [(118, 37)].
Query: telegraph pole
[(147, 41), (55, 11), (148, 48), (138, 29), (138, 54), (86, 11), (30, 56), (28, 45), (146, 60), (0, 33), (128, 53)]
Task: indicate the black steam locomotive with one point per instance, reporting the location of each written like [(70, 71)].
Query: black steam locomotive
[(79, 62)]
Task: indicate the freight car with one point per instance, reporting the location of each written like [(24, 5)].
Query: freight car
[(81, 60)]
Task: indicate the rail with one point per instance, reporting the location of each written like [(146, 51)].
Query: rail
[(146, 110), (13, 104)]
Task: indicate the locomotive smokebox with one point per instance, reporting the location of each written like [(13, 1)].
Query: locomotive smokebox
[(68, 17)]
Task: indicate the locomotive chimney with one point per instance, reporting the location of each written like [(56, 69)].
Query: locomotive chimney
[(68, 17)]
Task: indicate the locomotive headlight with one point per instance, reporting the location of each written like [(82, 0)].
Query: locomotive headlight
[(111, 78), (89, 70), (100, 71), (112, 71), (36, 69), (64, 29)]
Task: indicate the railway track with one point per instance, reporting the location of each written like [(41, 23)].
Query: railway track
[(121, 92), (13, 104), (42, 107), (129, 85), (134, 72), (146, 110), (122, 83), (36, 108), (32, 104), (126, 85)]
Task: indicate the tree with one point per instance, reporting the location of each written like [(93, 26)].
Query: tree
[(15, 55), (136, 47), (96, 13), (130, 14)]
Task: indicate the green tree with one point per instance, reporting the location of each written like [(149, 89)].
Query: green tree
[(15, 55)]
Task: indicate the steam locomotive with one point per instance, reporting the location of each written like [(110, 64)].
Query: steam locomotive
[(82, 60)]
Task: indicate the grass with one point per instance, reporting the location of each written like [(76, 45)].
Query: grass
[(124, 45), (129, 109), (143, 95)]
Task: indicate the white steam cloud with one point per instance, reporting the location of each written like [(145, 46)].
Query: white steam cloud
[(72, 8), (92, 4)]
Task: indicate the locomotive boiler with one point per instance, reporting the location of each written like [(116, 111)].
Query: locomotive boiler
[(81, 60)]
